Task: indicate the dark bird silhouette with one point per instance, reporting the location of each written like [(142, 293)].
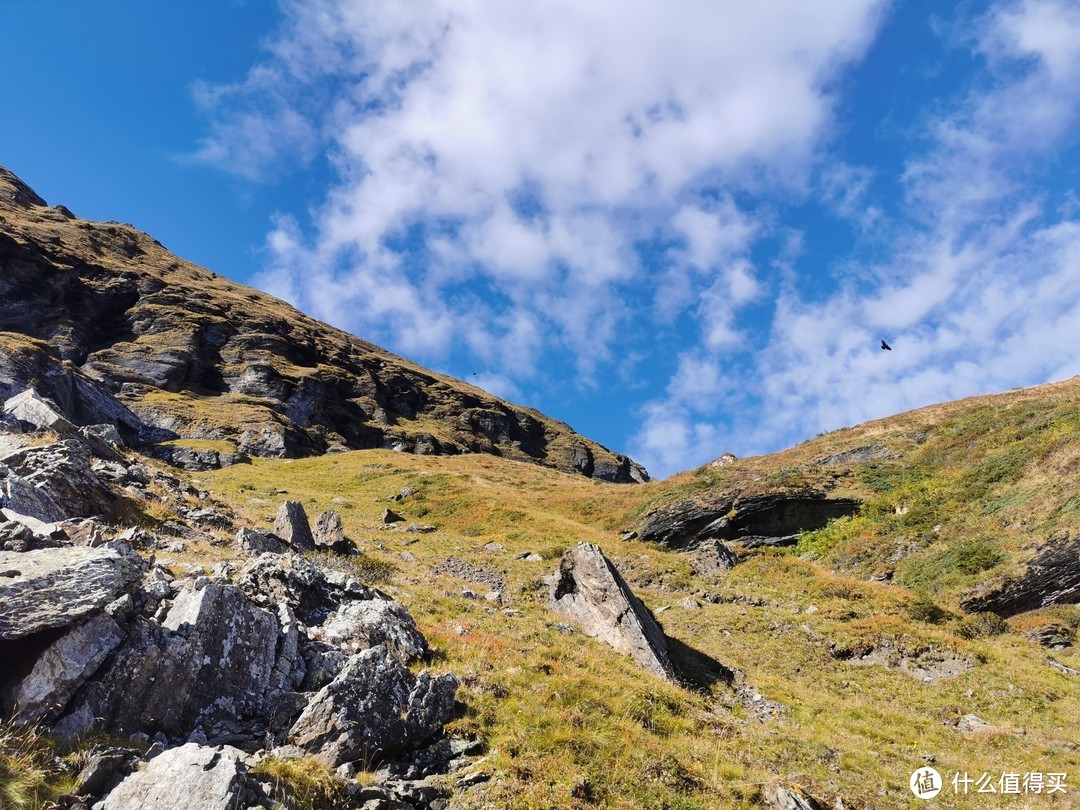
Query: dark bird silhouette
[(886, 346)]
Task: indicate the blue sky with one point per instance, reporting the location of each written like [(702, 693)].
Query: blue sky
[(682, 227)]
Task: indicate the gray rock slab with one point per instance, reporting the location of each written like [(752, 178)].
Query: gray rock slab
[(57, 587), (374, 709), (590, 593), (64, 667), (191, 777), (293, 527)]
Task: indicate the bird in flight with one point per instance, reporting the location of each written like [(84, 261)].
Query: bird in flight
[(885, 346)]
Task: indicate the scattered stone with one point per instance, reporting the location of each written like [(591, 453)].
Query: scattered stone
[(330, 534), (1060, 667), (417, 528), (405, 493), (689, 603), (972, 723), (626, 537), (789, 797), (253, 542), (590, 592), (374, 709), (58, 587), (494, 547), (713, 557), (292, 526), (390, 516), (191, 777)]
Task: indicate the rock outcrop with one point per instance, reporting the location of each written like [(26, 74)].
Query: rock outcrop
[(590, 593), (55, 588), (105, 311), (373, 710), (190, 777), (774, 518), (1051, 578)]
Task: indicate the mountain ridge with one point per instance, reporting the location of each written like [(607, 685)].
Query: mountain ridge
[(194, 354)]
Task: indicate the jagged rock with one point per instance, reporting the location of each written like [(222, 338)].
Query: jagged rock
[(209, 668), (406, 492), (143, 689), (390, 516), (870, 452), (106, 768), (197, 459), (106, 433), (58, 587), (33, 409), (54, 482), (786, 797), (292, 526), (64, 666), (253, 542), (771, 518), (239, 640), (330, 534), (1051, 578), (589, 591), (713, 557), (336, 610), (191, 777), (374, 709)]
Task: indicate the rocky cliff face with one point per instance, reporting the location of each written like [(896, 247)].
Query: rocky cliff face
[(89, 307)]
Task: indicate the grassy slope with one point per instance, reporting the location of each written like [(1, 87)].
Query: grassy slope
[(564, 716)]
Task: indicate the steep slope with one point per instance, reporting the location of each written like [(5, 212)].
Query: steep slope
[(201, 358), (972, 503)]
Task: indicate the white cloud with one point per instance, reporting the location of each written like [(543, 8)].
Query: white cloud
[(523, 151), (984, 295)]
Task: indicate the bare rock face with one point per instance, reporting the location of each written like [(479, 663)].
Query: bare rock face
[(336, 610), (57, 587), (54, 482), (374, 709), (1051, 578), (770, 519), (590, 593), (292, 526), (64, 667), (191, 777)]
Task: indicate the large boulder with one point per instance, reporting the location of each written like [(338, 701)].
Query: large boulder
[(335, 609), (52, 588), (588, 591), (191, 777), (213, 666), (373, 710), (292, 526), (329, 533), (64, 666), (238, 643), (54, 482), (34, 410)]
